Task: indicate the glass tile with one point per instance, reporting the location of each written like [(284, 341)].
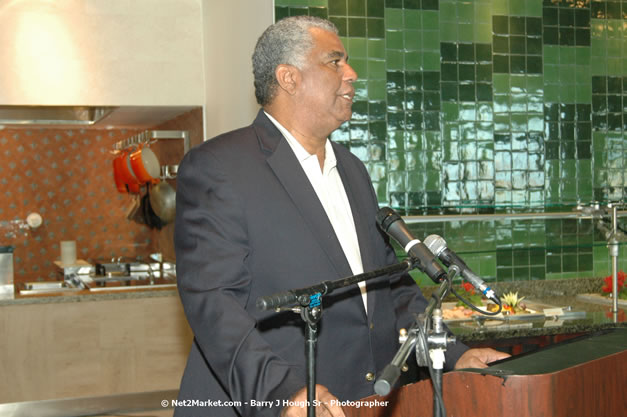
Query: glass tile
[(375, 8), (501, 63), (394, 19), (449, 91), (395, 60), (413, 40), (467, 92), (320, 12), (299, 11), (395, 80), (484, 72), (413, 19), (280, 13), (357, 48), (566, 16), (613, 10), (466, 72), (376, 48), (500, 44), (484, 92), (375, 28), (394, 39), (614, 85), (337, 8), (517, 64), (413, 120), (430, 4), (448, 11), (411, 4), (582, 37), (413, 61), (448, 52), (517, 44), (550, 36), (534, 65), (356, 27), (500, 25), (517, 25), (431, 80), (465, 12), (467, 52), (341, 23), (465, 32), (357, 8), (566, 36), (377, 130), (483, 52), (534, 45), (398, 4), (534, 26), (431, 20), (549, 16), (431, 121)]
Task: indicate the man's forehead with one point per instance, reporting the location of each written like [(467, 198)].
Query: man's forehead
[(329, 42)]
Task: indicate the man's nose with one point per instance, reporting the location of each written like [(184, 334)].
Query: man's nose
[(349, 74)]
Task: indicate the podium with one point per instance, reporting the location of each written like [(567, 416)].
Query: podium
[(586, 376)]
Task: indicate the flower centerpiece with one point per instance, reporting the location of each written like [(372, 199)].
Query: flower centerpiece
[(622, 290)]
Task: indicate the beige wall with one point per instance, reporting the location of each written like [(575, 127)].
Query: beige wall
[(101, 52), (230, 31), (138, 53)]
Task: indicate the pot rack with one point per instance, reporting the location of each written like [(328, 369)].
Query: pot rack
[(151, 136)]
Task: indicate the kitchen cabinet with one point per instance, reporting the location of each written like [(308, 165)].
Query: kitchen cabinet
[(83, 346)]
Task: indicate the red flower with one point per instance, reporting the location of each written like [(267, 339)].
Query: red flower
[(469, 288), (620, 277)]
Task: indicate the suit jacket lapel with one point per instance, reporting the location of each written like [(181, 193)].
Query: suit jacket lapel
[(287, 169)]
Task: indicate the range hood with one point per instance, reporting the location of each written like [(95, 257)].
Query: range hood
[(140, 117), (52, 115)]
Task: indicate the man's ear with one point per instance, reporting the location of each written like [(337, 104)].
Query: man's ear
[(288, 77)]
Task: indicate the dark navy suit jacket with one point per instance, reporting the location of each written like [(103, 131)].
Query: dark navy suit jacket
[(249, 224)]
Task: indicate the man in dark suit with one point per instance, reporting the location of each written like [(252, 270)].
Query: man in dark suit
[(276, 206)]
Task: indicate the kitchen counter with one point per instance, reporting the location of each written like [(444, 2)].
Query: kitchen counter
[(579, 316), (85, 296)]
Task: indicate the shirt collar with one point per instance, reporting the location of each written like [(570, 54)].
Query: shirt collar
[(301, 153)]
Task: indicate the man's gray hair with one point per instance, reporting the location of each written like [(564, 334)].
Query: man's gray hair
[(288, 41)]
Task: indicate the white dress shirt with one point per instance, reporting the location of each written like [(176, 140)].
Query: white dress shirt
[(329, 188)]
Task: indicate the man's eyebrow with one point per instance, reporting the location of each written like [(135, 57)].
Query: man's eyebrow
[(337, 54)]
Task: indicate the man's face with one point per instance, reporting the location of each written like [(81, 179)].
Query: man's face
[(327, 81)]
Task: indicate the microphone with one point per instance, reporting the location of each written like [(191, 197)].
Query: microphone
[(438, 246), (392, 224)]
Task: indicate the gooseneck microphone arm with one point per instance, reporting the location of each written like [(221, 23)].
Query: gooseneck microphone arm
[(392, 224)]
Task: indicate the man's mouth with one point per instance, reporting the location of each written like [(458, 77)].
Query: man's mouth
[(348, 96)]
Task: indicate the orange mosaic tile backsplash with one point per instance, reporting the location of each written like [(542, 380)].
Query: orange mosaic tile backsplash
[(66, 176)]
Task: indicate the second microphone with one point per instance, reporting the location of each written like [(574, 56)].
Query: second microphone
[(392, 224)]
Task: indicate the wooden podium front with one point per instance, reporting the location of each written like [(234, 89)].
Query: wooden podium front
[(581, 377)]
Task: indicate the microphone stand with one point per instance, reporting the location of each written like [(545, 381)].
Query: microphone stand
[(310, 300), (429, 338)]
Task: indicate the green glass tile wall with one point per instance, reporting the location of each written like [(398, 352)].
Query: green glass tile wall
[(490, 106)]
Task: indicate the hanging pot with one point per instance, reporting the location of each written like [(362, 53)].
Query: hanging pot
[(125, 180), (163, 201), (145, 165)]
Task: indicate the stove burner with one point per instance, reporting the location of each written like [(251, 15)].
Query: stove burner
[(112, 270)]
